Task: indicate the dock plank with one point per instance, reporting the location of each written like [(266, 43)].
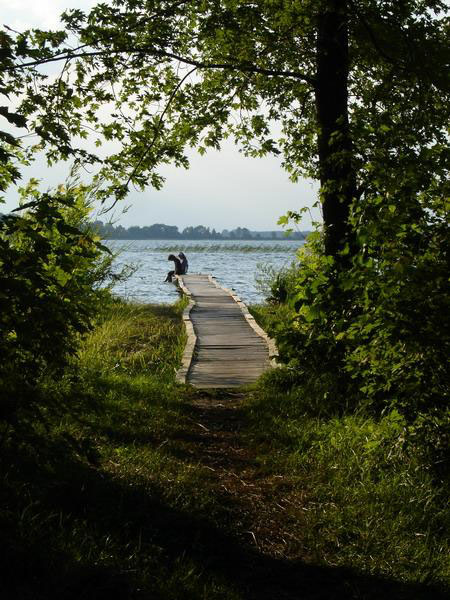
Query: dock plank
[(226, 349)]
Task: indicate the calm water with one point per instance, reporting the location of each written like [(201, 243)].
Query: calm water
[(234, 263)]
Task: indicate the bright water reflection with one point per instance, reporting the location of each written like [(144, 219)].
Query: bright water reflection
[(234, 263)]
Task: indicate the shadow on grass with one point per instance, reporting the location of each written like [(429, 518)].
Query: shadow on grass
[(81, 534)]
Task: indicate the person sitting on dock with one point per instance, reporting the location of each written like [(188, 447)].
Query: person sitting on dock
[(184, 263), (178, 270)]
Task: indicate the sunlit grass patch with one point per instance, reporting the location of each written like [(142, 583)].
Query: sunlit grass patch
[(138, 339)]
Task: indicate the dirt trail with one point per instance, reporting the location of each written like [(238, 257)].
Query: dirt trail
[(265, 555), (264, 499)]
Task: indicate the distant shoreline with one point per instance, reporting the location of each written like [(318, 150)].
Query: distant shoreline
[(160, 231), (198, 239)]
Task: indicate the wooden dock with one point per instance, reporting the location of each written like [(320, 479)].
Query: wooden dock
[(225, 347)]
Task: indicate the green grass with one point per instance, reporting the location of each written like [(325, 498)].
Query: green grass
[(96, 503), (372, 500), (135, 339), (107, 494)]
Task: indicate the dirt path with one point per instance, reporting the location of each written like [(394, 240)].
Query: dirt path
[(264, 499), (262, 549)]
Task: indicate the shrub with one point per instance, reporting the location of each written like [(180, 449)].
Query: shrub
[(51, 268), (375, 334)]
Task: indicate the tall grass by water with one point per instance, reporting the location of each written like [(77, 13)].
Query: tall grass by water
[(215, 247)]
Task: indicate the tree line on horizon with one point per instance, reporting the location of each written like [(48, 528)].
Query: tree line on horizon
[(159, 231)]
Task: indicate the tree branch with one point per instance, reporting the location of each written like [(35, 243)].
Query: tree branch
[(162, 54), (155, 136)]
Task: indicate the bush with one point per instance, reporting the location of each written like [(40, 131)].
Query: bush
[(51, 268), (375, 334), (275, 285)]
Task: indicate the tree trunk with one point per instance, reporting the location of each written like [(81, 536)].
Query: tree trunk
[(337, 175)]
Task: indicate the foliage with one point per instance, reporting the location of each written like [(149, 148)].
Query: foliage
[(381, 340), (51, 268), (275, 285), (189, 74)]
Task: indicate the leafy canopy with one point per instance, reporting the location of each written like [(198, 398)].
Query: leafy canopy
[(158, 77)]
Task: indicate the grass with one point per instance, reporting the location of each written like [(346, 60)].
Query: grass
[(371, 499), (96, 503), (136, 339), (125, 488)]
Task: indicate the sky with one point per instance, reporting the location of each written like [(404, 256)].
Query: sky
[(222, 189)]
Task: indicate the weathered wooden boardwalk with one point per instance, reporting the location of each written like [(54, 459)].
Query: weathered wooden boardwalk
[(225, 347)]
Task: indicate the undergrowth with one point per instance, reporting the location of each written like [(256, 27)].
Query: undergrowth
[(373, 498), (95, 502), (105, 492)]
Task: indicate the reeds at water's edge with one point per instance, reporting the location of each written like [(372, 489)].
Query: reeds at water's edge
[(215, 248)]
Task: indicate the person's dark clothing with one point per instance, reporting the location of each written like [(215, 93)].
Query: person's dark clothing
[(178, 270), (178, 266), (184, 263)]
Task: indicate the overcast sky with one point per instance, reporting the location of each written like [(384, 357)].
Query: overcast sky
[(221, 189)]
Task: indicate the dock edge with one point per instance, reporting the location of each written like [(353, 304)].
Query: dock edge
[(188, 353)]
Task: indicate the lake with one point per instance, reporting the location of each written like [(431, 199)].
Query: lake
[(234, 263)]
